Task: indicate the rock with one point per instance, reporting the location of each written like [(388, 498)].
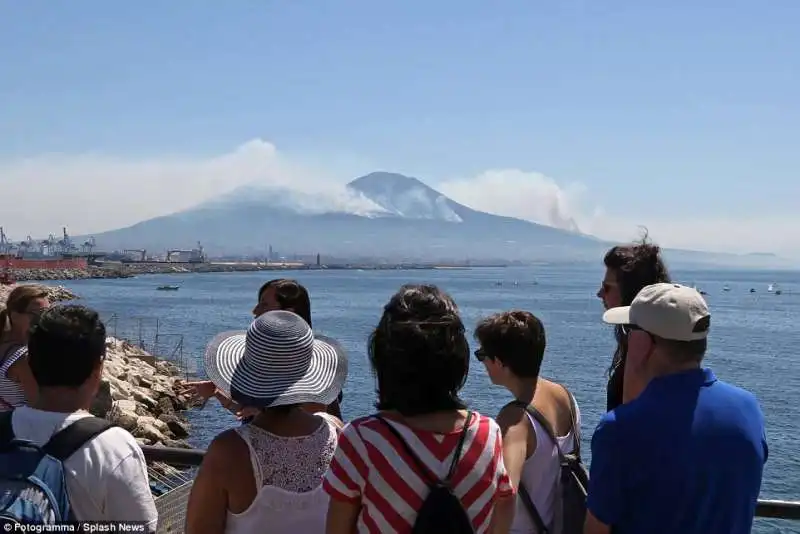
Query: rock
[(123, 415), (178, 428), (148, 431), (102, 402), (176, 443), (140, 396), (165, 406), (54, 293)]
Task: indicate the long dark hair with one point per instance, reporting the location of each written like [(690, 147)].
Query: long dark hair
[(635, 266)]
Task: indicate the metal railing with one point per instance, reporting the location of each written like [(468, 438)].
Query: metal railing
[(775, 509)]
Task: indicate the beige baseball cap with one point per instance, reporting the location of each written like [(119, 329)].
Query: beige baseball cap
[(669, 311)]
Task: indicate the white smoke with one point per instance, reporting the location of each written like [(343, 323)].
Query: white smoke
[(94, 192), (525, 195)]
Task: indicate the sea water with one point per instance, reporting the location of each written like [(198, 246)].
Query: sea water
[(754, 340)]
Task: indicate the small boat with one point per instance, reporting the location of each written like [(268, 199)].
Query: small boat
[(168, 288), (771, 288), (726, 288)]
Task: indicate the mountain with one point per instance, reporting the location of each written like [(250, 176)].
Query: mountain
[(381, 214)]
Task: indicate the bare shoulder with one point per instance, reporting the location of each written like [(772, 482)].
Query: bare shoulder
[(511, 415), (555, 393), (554, 399), (225, 446)]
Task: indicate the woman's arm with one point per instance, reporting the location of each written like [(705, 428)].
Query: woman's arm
[(503, 516), (208, 501), (514, 427), (20, 372), (342, 517)]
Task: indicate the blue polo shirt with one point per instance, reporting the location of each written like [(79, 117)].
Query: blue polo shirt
[(685, 457)]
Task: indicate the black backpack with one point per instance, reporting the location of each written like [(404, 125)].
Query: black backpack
[(441, 511), (570, 512)]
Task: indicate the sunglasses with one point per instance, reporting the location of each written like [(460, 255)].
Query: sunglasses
[(628, 328), (481, 355)]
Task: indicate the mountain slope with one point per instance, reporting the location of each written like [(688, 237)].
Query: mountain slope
[(379, 215)]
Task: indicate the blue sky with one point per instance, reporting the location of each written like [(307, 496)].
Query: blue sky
[(670, 114)]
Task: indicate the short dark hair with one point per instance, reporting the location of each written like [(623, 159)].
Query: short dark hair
[(66, 345), (516, 338), (686, 352), (290, 294), (419, 352)]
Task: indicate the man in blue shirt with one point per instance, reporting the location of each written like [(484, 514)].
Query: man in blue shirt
[(687, 455)]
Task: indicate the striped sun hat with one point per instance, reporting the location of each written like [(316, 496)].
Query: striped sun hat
[(277, 361)]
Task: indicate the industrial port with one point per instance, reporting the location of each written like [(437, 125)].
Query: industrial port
[(66, 253), (63, 258)]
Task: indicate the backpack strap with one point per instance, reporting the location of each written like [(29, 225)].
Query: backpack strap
[(576, 428), (426, 473), (65, 442), (527, 501)]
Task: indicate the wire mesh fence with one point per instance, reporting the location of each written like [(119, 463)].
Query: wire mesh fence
[(150, 335), (171, 488)]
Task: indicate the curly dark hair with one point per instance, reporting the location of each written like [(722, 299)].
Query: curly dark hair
[(635, 266), (419, 352)]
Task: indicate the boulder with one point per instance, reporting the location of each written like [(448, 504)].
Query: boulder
[(102, 402), (141, 397)]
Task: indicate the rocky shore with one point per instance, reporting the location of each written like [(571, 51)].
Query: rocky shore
[(120, 270), (54, 293), (139, 394), (127, 270)]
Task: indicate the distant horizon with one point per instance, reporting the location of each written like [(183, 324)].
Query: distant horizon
[(640, 229), (681, 117)]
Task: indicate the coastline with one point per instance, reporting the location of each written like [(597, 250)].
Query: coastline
[(128, 270)]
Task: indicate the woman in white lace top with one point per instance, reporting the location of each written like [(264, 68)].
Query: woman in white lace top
[(267, 475)]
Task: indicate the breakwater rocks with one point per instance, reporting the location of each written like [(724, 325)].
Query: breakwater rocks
[(54, 293), (128, 270), (139, 394)]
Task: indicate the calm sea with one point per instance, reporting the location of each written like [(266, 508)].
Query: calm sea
[(754, 341)]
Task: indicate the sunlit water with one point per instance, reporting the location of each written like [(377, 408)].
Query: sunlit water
[(754, 341)]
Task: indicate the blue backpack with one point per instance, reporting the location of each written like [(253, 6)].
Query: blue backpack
[(33, 487)]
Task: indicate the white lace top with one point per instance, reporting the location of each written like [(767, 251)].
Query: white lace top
[(288, 473)]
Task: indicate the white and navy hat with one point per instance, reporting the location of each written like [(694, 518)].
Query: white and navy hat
[(277, 361)]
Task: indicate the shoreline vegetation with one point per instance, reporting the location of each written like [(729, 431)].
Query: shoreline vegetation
[(129, 270)]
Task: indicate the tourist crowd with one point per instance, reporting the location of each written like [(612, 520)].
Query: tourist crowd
[(678, 449)]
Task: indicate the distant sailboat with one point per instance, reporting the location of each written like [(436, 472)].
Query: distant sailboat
[(771, 288)]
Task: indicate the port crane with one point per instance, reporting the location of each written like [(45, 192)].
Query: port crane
[(88, 245), (6, 246)]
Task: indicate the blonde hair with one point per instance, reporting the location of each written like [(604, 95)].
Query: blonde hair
[(18, 301)]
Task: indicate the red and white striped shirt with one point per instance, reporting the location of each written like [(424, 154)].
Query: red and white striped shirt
[(372, 468)]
